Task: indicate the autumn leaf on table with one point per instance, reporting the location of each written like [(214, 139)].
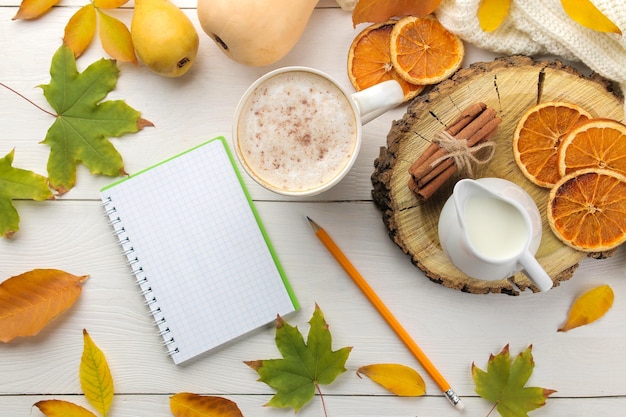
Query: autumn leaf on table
[(115, 39), (304, 366), (28, 302), (84, 122), (81, 28), (114, 35), (32, 9), (95, 376), (400, 380), (16, 183), (60, 408), (377, 11), (504, 383), (589, 307), (95, 380), (185, 404)]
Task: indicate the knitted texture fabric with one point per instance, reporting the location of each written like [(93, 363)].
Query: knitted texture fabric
[(542, 27)]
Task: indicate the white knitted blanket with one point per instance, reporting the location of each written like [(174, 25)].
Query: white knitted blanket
[(536, 27)]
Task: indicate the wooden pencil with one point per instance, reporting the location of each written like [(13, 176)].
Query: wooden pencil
[(413, 347)]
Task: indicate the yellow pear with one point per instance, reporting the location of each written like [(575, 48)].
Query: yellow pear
[(164, 38), (255, 32)]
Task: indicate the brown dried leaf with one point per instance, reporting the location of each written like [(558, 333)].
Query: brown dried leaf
[(116, 39), (28, 302), (185, 404), (376, 11), (32, 9), (589, 307), (80, 29)]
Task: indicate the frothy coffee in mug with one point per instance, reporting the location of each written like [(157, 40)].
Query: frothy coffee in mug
[(297, 131)]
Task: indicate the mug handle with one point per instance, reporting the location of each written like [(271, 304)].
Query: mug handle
[(535, 271), (378, 99)]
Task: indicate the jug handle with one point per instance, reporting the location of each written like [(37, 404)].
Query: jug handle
[(535, 271)]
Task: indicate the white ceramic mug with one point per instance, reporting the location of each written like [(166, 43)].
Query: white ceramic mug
[(297, 131), (490, 229)]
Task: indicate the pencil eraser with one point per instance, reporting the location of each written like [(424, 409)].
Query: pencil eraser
[(460, 405)]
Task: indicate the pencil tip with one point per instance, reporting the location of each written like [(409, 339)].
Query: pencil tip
[(314, 225)]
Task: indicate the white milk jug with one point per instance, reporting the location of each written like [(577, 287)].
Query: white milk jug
[(490, 229)]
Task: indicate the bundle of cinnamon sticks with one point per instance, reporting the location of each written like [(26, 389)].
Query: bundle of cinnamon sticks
[(473, 127)]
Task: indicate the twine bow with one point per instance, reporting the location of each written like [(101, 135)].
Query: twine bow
[(462, 154)]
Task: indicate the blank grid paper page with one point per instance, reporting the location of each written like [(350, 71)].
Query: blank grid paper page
[(205, 266)]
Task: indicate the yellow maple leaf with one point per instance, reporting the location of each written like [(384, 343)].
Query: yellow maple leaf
[(95, 376), (80, 29), (29, 301), (491, 13), (589, 307), (185, 404), (115, 38), (60, 408), (588, 15), (398, 379)]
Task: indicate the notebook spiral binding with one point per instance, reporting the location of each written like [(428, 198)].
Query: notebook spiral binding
[(141, 277)]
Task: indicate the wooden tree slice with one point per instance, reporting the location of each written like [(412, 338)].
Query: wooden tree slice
[(510, 86)]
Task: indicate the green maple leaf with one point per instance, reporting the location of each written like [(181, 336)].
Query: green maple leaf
[(304, 366), (504, 383), (16, 183), (83, 121)]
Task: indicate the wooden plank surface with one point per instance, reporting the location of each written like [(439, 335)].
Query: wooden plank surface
[(455, 329)]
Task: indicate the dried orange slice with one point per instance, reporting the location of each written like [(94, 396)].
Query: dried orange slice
[(587, 209), (537, 137), (423, 51), (369, 60), (596, 143)]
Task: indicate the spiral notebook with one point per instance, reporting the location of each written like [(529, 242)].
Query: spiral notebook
[(198, 250)]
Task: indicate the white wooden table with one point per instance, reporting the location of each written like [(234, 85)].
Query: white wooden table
[(586, 366)]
